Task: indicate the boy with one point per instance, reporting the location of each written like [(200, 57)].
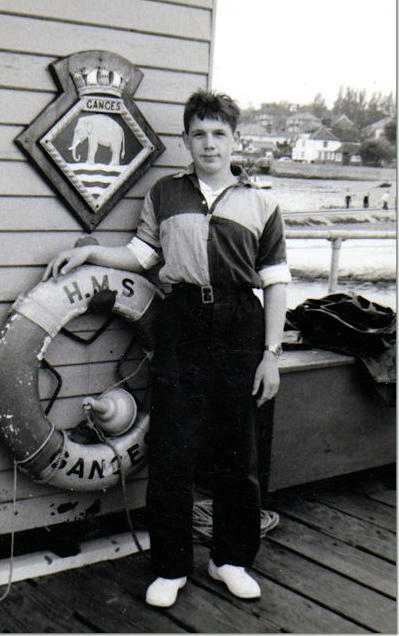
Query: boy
[(219, 236)]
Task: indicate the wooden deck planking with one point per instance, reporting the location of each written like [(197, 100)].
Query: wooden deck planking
[(279, 609), (290, 610), (379, 514), (336, 555), (101, 601), (200, 611), (388, 497), (347, 528), (349, 599), (313, 578), (378, 492), (42, 615)]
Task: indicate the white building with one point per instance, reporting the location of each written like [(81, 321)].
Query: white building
[(318, 146)]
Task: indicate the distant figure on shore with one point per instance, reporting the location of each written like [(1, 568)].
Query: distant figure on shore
[(366, 200), (348, 198), (385, 200)]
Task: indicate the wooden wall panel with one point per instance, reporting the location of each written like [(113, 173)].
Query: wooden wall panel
[(109, 346), (135, 15), (31, 72), (6, 461), (49, 213), (21, 107), (21, 179), (15, 280), (22, 248), (25, 488), (59, 506), (65, 38), (171, 42), (206, 4), (4, 310), (78, 379)]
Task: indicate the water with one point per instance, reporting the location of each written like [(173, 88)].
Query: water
[(299, 290), (322, 194), (371, 261)]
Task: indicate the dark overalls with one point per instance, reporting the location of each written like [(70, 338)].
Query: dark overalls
[(203, 370)]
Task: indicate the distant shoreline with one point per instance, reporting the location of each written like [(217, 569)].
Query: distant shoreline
[(297, 170), (368, 276)]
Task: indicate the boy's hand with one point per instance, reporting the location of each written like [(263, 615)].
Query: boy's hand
[(267, 379), (65, 262)]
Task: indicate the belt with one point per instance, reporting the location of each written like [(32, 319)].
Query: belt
[(209, 294)]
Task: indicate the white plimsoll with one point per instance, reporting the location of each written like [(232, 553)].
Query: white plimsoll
[(237, 580), (163, 592)]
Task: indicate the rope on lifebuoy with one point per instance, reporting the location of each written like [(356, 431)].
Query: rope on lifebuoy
[(46, 453)]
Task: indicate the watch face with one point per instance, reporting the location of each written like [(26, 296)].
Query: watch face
[(275, 349)]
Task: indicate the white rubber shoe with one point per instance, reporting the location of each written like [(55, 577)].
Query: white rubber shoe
[(236, 579), (163, 592)]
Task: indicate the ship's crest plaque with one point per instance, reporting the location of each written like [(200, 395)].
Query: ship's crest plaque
[(92, 142)]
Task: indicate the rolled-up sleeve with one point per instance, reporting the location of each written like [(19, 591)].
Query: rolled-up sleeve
[(271, 263), (145, 244)]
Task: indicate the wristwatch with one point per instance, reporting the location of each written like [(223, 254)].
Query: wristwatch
[(275, 349)]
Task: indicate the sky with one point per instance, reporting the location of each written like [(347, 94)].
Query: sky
[(290, 50)]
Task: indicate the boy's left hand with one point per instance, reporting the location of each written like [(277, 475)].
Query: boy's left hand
[(267, 379)]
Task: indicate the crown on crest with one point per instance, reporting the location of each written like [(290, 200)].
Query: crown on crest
[(98, 80)]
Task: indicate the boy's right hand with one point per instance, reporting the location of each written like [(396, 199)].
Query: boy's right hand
[(65, 262)]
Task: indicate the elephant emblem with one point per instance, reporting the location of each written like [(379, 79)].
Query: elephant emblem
[(99, 130)]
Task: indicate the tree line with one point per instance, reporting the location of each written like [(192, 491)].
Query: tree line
[(360, 109)]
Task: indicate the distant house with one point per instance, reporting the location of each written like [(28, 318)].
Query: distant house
[(253, 149), (271, 121), (345, 129), (343, 121), (376, 130), (254, 136), (348, 153), (321, 145), (304, 122)]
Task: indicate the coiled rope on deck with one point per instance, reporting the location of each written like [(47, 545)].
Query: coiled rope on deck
[(202, 521)]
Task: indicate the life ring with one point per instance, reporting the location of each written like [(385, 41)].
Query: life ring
[(46, 453)]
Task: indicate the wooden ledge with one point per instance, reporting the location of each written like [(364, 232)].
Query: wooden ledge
[(306, 360)]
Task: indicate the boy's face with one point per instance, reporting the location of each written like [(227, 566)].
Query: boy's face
[(210, 142)]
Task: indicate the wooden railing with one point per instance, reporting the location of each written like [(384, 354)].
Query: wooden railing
[(337, 237)]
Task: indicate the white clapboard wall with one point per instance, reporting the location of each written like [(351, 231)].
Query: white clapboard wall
[(171, 42)]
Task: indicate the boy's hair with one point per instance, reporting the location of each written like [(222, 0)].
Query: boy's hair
[(208, 104)]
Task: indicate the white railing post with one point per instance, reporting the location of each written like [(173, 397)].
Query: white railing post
[(334, 266), (336, 237)]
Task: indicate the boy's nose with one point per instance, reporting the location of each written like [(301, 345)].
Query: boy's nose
[(209, 142)]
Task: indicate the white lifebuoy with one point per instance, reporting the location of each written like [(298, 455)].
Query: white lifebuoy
[(49, 454)]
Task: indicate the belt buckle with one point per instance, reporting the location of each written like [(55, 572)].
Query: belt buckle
[(207, 295)]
